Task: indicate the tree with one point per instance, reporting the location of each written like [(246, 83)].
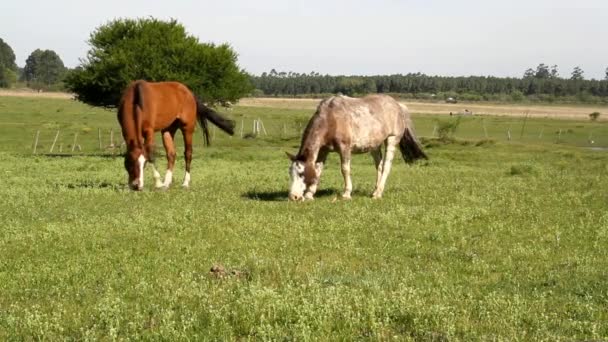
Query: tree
[(529, 73), (43, 68), (606, 77), (542, 71), (577, 74), (8, 68), (125, 50), (7, 77), (554, 72)]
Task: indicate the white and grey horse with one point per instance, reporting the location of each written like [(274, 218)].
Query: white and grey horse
[(352, 125)]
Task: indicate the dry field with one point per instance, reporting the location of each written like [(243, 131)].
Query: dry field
[(534, 110), (33, 93)]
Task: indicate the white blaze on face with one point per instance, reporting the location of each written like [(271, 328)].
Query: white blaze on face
[(296, 175), (141, 162)]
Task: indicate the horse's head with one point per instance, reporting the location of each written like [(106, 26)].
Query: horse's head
[(134, 164), (302, 177)]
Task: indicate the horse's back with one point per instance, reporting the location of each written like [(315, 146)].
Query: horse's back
[(166, 94), (377, 111), (165, 102), (363, 123)]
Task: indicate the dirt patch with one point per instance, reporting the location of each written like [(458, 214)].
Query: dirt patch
[(219, 271)]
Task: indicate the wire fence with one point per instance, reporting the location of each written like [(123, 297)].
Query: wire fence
[(563, 132)]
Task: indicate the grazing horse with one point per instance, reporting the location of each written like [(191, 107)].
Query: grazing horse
[(352, 125), (148, 107)]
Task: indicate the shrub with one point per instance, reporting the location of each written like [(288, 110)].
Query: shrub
[(447, 129), (594, 116)]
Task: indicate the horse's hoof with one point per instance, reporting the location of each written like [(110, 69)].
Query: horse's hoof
[(308, 197), (345, 197), (376, 196)]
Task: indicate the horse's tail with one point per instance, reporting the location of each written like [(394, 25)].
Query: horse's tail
[(410, 147), (205, 113)]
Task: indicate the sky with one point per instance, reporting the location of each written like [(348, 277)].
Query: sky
[(356, 37)]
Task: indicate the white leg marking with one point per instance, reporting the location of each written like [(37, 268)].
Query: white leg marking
[(388, 162), (186, 180), (157, 182), (377, 155), (168, 178), (348, 184), (142, 162)]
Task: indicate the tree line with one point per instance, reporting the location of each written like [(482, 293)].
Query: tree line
[(43, 69), (540, 84)]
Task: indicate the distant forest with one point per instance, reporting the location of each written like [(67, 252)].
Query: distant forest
[(542, 84)]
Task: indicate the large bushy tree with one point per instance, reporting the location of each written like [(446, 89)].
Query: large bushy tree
[(8, 67), (43, 68), (125, 50)]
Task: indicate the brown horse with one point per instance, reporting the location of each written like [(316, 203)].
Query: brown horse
[(352, 125), (148, 107)]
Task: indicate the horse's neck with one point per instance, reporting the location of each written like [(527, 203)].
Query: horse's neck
[(310, 148), (313, 140)]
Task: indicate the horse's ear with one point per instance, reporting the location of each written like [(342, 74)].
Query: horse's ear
[(290, 156)]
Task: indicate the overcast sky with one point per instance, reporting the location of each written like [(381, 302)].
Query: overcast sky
[(355, 37)]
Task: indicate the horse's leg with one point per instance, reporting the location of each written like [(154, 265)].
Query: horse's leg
[(391, 143), (157, 182), (377, 155), (187, 133), (319, 169), (345, 154), (148, 152), (170, 149)]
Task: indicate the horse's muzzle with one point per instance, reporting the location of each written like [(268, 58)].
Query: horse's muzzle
[(294, 197), (135, 187)]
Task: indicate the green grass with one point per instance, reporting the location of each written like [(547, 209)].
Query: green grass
[(491, 241)]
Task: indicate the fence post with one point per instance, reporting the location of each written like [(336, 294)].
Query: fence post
[(523, 126), (36, 140), (242, 125), (261, 125), (485, 131), (54, 141), (74, 143), (509, 134), (99, 138)]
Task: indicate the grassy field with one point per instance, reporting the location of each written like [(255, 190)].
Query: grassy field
[(491, 239)]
